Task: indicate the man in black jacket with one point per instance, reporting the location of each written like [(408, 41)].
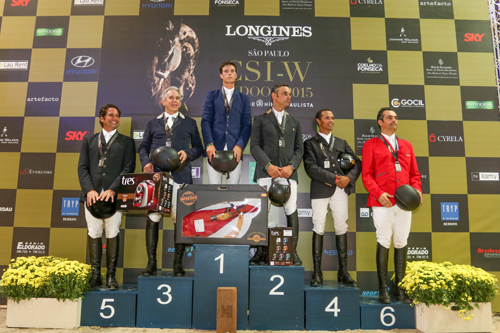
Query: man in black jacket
[(173, 129), (103, 157), (330, 186), (277, 146)]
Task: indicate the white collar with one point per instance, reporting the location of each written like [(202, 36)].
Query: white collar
[(325, 136), (163, 114), (107, 134)]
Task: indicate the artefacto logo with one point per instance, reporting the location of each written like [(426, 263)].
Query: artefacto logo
[(27, 171), (445, 138), (450, 211), (473, 37), (23, 3), (364, 212), (75, 135), (370, 67), (410, 103), (484, 105), (14, 65), (70, 207), (49, 32), (485, 176), (89, 2), (42, 99), (269, 34), (304, 212), (435, 3), (82, 61)]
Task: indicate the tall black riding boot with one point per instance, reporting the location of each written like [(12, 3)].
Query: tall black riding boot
[(95, 254), (317, 277), (343, 274), (179, 253), (382, 260), (293, 222), (112, 249), (259, 256), (151, 245), (400, 272)]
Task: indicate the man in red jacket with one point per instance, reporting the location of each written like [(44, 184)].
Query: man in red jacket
[(389, 162)]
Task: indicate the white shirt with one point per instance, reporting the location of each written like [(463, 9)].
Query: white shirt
[(326, 137), (108, 135), (171, 118), (279, 115), (392, 140), (229, 93)]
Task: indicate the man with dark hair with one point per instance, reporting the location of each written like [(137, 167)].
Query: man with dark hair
[(388, 163), (226, 123), (330, 186), (180, 132), (277, 146), (103, 157)]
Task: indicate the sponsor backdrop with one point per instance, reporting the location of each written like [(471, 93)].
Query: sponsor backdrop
[(432, 61)]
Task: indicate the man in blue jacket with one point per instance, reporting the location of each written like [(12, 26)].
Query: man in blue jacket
[(226, 123), (181, 133)]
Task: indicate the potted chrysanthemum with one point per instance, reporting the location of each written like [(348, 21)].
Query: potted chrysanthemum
[(453, 297), (44, 292)]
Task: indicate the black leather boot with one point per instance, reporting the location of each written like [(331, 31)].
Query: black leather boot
[(382, 260), (343, 274), (400, 272), (95, 254), (293, 222), (179, 253), (112, 249), (259, 257), (151, 245), (317, 250)]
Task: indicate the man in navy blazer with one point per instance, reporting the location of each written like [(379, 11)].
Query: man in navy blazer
[(185, 138), (103, 157), (226, 123)]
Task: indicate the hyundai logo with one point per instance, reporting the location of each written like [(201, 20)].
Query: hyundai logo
[(82, 61)]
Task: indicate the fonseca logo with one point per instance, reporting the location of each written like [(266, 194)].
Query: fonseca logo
[(82, 61), (5, 209), (370, 67), (129, 180), (481, 105), (89, 2), (138, 135), (227, 2), (75, 135), (409, 103), (485, 176), (366, 2), (445, 138), (23, 3), (27, 171), (473, 37), (14, 65), (304, 212), (269, 34), (364, 212)]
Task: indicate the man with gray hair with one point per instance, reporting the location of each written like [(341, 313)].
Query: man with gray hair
[(180, 132)]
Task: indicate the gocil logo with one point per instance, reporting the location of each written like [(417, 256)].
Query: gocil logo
[(82, 61)]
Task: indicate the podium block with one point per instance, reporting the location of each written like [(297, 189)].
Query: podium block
[(165, 302), (110, 308), (375, 315), (332, 306), (276, 298), (219, 266)]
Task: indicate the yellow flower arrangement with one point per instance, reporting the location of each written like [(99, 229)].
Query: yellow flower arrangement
[(445, 283), (45, 277)]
